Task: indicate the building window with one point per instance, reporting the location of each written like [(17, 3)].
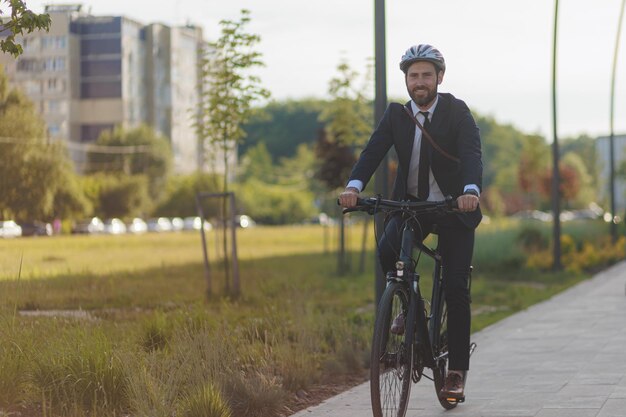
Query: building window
[(54, 130), (93, 25), (54, 64), (90, 133), (101, 68), (105, 89), (56, 85), (53, 42), (27, 65), (100, 46), (32, 87), (53, 106)]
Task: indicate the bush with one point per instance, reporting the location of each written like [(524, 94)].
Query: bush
[(255, 395), (206, 401), (84, 375), (274, 204), (117, 195), (532, 239), (180, 198)]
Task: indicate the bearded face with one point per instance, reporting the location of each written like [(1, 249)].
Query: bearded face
[(422, 80)]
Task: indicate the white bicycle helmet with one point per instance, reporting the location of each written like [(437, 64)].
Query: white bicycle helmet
[(422, 52)]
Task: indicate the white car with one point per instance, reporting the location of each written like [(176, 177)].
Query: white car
[(160, 224), (9, 228), (137, 226), (177, 224), (114, 226), (194, 222)]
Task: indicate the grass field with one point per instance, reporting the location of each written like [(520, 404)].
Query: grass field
[(130, 329)]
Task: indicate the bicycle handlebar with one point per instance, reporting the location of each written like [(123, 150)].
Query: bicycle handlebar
[(372, 205)]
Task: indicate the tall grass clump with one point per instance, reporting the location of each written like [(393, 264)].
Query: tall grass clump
[(206, 401), (13, 374), (156, 332), (254, 394), (79, 374)]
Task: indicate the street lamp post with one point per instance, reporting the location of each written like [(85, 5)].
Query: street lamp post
[(380, 104), (611, 134), (556, 210)]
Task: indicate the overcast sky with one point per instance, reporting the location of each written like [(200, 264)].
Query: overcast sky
[(498, 52)]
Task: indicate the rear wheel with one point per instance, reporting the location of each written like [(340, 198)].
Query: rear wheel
[(440, 331), (392, 358)]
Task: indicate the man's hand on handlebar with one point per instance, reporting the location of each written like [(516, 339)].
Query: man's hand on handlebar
[(348, 197), (467, 202)]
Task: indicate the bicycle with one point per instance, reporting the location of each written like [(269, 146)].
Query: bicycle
[(399, 358)]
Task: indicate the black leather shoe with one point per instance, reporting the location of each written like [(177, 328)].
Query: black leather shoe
[(454, 386)]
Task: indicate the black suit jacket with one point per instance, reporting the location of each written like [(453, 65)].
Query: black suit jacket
[(452, 127)]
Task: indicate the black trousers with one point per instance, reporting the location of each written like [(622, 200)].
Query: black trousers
[(456, 246)]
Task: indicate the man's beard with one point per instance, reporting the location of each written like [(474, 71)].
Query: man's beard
[(421, 101)]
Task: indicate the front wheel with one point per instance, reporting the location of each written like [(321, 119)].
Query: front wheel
[(392, 358), (440, 344)]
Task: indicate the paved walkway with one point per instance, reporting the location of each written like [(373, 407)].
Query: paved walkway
[(565, 357)]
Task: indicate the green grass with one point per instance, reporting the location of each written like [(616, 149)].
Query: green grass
[(151, 342)]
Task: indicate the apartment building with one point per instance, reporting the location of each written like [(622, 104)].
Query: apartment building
[(91, 73)]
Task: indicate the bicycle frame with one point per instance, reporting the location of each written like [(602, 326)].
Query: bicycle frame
[(421, 331)]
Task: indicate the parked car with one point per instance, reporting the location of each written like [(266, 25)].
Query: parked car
[(194, 222), (244, 221), (137, 226), (89, 226), (533, 215), (9, 228), (36, 228), (177, 224), (160, 224), (114, 226)]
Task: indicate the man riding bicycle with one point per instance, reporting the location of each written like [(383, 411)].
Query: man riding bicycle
[(439, 154)]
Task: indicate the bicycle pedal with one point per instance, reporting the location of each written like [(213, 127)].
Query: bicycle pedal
[(454, 400)]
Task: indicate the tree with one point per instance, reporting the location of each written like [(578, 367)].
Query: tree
[(141, 151), (283, 126), (32, 170), (20, 20), (228, 89), (227, 95), (347, 124)]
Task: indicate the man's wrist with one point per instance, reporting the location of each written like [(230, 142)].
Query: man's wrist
[(352, 189), (471, 191)]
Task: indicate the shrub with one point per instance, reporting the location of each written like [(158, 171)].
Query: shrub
[(156, 333), (532, 239), (254, 395), (87, 377), (206, 401)]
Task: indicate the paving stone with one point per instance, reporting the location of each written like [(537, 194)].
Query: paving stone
[(564, 357), (580, 412), (613, 408)]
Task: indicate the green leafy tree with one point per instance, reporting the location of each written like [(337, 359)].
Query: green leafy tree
[(20, 20), (228, 92), (32, 170), (180, 199), (117, 195), (140, 151), (257, 163), (275, 204), (229, 89), (347, 123), (283, 126)]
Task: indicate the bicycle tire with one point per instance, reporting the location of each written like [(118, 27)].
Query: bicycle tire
[(440, 347), (391, 364)]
